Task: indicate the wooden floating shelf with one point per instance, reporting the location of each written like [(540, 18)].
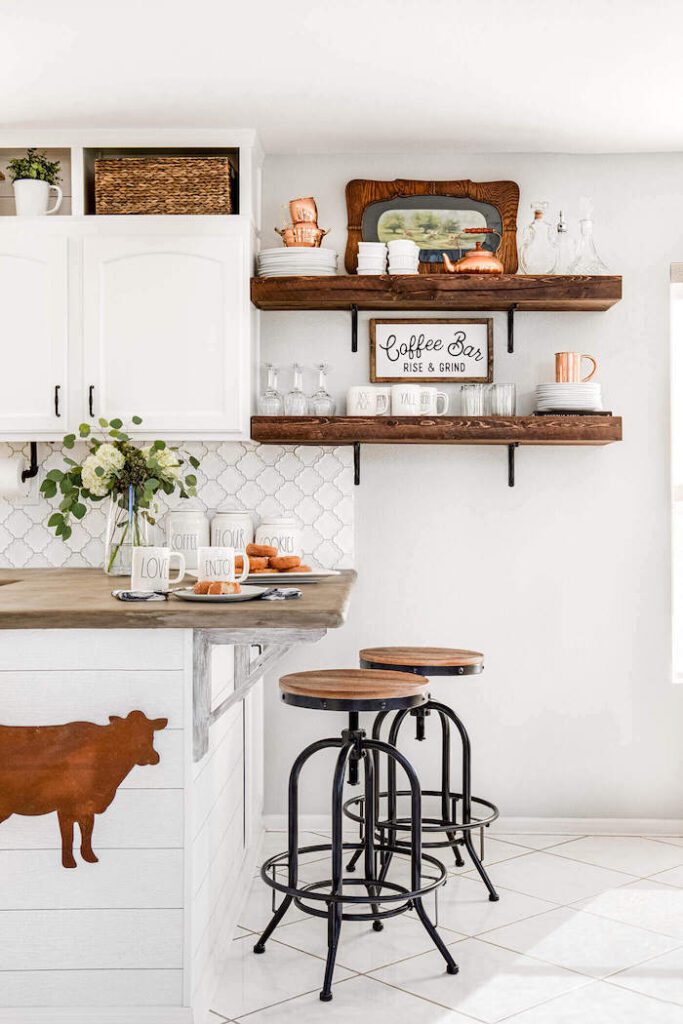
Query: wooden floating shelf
[(501, 430), (540, 293)]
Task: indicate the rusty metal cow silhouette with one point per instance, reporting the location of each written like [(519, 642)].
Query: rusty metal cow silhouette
[(72, 769)]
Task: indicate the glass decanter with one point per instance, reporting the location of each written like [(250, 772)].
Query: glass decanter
[(538, 252), (270, 402), (321, 401), (296, 402), (566, 250), (587, 260)]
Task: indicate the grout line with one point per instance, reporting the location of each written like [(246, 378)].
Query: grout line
[(637, 992), (518, 1014), (290, 999)]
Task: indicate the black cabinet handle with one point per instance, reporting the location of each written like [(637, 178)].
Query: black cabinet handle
[(57, 412), (91, 396)]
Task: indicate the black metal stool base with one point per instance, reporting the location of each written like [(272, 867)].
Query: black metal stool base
[(327, 898), (475, 813)]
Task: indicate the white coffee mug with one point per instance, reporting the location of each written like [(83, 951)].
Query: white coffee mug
[(366, 400), (31, 198), (405, 400), (217, 564), (429, 402), (151, 570)]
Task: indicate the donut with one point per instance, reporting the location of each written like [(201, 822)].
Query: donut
[(256, 563), (223, 588), (284, 562), (261, 572), (300, 568), (201, 587), (261, 550)]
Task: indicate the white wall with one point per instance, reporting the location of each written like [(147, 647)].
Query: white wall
[(563, 581)]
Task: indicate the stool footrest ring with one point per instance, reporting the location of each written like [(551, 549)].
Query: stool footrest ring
[(429, 825)]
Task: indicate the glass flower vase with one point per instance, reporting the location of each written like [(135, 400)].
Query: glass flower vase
[(127, 528)]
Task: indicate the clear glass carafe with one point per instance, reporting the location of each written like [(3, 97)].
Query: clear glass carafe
[(538, 252), (321, 401), (296, 402), (566, 250), (270, 401), (587, 260)]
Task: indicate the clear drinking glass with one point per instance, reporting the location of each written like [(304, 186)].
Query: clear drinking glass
[(471, 400), (500, 400), (296, 402), (321, 401), (270, 402)]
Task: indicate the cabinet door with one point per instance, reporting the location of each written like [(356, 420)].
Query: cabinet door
[(34, 331), (166, 333)]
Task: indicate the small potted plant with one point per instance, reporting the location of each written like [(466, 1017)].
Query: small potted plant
[(33, 176)]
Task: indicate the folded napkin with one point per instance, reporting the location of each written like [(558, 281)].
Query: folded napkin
[(139, 595), (281, 594)]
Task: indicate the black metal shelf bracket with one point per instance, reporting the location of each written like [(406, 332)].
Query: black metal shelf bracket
[(511, 327), (28, 474), (356, 463), (511, 463), (354, 328)]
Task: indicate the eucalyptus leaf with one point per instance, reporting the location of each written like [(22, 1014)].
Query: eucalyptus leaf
[(69, 441), (137, 420), (48, 488), (84, 429), (79, 510), (55, 474)]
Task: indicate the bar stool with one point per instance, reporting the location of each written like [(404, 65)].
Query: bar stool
[(476, 813), (353, 691)]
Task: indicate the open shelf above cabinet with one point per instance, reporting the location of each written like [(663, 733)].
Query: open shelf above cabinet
[(540, 293), (501, 430)]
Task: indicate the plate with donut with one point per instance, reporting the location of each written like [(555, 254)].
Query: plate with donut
[(268, 565), (212, 592)]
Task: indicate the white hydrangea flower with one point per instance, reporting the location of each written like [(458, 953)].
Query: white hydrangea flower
[(97, 485), (110, 458), (166, 461)]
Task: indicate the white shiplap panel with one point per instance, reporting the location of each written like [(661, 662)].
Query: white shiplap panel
[(91, 649), (137, 818), (220, 877), (105, 1015), (217, 768), (90, 988), (36, 880), (91, 939), (53, 698), (221, 817)]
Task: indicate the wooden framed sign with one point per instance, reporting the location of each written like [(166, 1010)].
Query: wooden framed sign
[(422, 350)]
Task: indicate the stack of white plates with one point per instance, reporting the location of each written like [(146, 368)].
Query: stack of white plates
[(584, 397), (297, 261)]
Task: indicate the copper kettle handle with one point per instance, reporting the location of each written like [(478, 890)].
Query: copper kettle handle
[(482, 231)]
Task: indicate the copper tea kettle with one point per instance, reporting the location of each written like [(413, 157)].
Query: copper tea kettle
[(477, 260)]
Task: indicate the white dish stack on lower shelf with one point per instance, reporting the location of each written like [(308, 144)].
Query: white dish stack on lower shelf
[(297, 261), (581, 397)]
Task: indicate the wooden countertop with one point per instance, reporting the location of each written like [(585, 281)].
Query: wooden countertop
[(81, 599)]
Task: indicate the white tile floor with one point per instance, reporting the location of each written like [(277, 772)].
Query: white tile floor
[(588, 930)]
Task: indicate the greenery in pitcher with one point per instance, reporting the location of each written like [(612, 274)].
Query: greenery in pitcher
[(35, 166), (130, 476)]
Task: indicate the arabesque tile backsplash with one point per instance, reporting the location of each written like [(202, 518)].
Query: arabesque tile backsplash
[(315, 485)]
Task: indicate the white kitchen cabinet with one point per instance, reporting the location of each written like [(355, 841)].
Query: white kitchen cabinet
[(166, 331), (34, 333)]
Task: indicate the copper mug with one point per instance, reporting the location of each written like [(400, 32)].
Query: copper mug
[(568, 367)]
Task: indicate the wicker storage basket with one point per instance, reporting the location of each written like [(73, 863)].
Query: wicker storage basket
[(164, 185)]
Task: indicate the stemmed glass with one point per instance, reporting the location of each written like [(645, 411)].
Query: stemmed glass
[(321, 402), (296, 403), (270, 402)]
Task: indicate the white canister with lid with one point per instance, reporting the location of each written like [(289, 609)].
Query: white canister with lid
[(186, 532), (232, 530), (282, 534)]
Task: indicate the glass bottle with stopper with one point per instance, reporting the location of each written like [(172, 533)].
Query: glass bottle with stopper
[(565, 247), (538, 252), (587, 260), (270, 401), (321, 401), (296, 403)]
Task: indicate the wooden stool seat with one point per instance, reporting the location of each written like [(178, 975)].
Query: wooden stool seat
[(439, 660), (353, 689)]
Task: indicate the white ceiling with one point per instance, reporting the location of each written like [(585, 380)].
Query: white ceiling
[(355, 75)]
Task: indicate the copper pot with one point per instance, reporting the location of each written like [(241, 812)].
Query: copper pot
[(477, 260), (303, 211), (302, 235)]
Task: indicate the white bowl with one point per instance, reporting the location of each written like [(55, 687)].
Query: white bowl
[(402, 261), (403, 246), (369, 247), (380, 265), (403, 272)]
